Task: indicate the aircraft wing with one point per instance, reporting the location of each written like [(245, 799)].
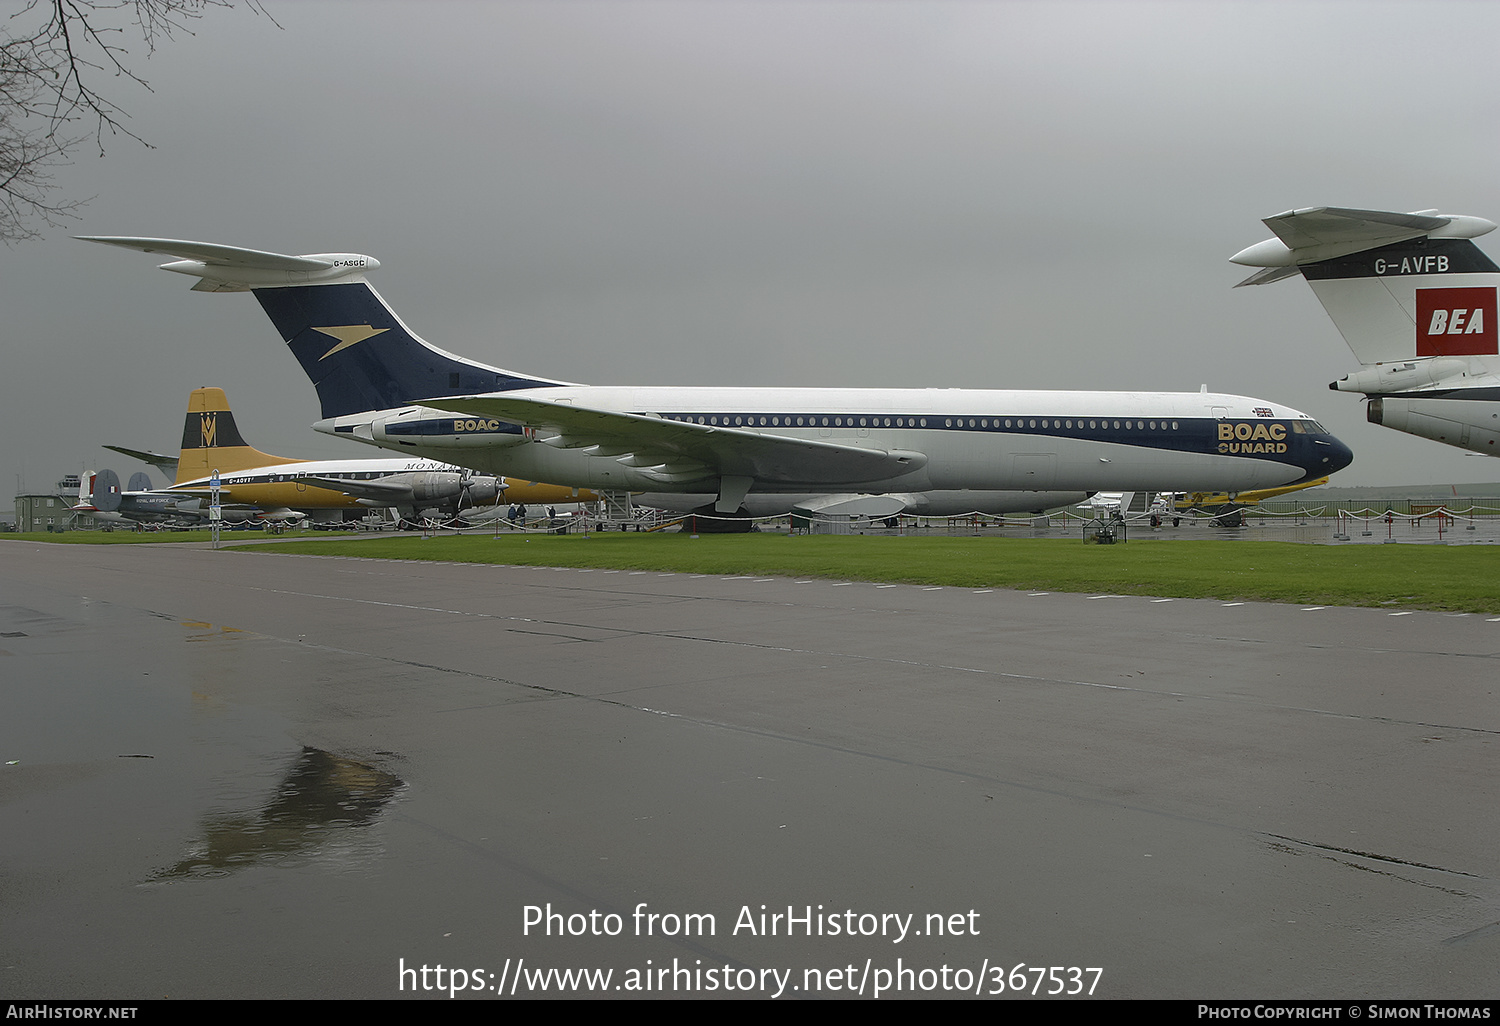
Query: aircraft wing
[(373, 489), (166, 464), (679, 451), (204, 493)]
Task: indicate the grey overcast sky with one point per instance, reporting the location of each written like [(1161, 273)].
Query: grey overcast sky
[(998, 194)]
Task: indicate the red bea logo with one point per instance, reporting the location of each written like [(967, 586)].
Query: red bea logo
[(1456, 322)]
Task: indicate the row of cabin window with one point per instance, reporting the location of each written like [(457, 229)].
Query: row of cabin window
[(804, 421), (982, 422)]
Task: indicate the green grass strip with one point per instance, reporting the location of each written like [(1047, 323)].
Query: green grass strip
[(1456, 578)]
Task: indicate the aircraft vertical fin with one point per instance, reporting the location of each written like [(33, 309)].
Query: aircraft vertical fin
[(360, 356), (211, 439), (1397, 286)]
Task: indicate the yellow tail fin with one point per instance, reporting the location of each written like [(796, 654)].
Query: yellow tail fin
[(211, 441)]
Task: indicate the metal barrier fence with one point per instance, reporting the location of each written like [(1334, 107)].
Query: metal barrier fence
[(1459, 505), (1365, 518)]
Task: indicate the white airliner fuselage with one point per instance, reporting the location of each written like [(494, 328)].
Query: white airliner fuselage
[(296, 475), (748, 449), (960, 441)]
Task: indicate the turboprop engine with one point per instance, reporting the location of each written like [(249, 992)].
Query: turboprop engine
[(451, 489), (479, 490)]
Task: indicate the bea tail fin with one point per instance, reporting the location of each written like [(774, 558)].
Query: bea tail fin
[(1397, 286), (211, 440)]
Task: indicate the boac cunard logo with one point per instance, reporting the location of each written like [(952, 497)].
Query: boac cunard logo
[(1456, 322)]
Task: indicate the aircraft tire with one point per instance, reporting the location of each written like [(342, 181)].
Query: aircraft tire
[(707, 520)]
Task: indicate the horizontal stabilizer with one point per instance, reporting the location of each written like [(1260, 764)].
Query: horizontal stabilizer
[(232, 269), (212, 254), (1264, 276), (1315, 234), (166, 464), (1311, 227)]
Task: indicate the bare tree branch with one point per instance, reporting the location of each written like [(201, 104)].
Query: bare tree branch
[(53, 55)]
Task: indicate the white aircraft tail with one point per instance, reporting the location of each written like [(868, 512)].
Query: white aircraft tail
[(1399, 287)]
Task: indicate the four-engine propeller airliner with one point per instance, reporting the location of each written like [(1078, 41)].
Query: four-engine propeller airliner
[(282, 488), (1415, 301), (734, 451)]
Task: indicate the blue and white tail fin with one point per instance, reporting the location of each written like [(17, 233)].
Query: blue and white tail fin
[(1399, 287), (358, 353)]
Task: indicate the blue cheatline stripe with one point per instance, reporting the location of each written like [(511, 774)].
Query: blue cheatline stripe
[(1195, 434)]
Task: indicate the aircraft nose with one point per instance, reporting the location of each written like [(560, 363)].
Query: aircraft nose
[(1329, 455)]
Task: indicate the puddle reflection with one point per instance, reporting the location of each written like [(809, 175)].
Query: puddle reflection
[(317, 812)]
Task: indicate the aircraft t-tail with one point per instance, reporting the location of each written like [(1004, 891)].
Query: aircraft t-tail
[(1415, 301), (734, 451), (268, 487)]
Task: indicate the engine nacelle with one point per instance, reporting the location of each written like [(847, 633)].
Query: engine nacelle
[(1465, 423), (420, 427), (480, 490), (429, 486), (1384, 378)]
